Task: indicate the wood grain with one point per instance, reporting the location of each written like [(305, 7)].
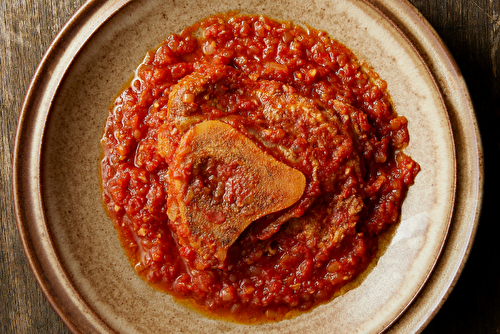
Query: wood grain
[(470, 29)]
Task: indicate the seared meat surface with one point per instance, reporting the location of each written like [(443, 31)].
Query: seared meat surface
[(283, 147), (220, 182)]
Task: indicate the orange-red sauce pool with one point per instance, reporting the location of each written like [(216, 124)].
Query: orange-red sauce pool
[(303, 99)]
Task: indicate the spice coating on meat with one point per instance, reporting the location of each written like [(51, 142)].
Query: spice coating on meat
[(220, 182), (271, 118)]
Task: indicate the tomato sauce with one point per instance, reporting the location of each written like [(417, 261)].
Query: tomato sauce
[(336, 126)]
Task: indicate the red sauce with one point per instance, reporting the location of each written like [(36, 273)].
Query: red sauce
[(296, 265)]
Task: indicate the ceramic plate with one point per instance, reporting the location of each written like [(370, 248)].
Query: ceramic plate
[(74, 250)]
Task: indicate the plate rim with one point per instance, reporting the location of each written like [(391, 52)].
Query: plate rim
[(26, 164), (441, 62)]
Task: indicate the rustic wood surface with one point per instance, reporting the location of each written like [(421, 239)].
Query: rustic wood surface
[(470, 29)]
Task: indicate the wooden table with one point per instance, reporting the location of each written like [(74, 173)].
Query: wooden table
[(470, 29)]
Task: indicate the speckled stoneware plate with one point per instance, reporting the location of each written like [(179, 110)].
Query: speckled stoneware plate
[(74, 250)]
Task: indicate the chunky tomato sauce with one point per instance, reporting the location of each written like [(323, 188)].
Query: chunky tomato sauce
[(301, 98)]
